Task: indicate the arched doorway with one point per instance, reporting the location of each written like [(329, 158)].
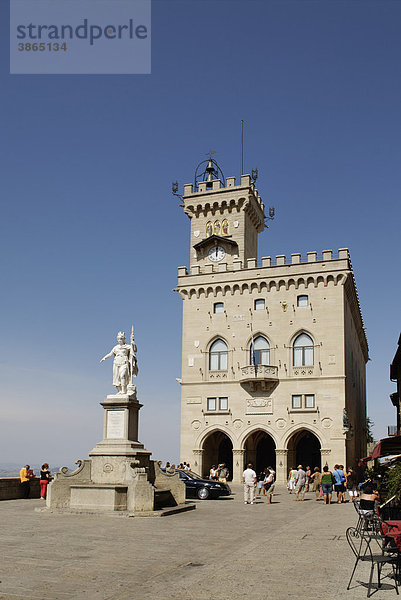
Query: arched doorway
[(304, 449), (218, 449), (260, 450)]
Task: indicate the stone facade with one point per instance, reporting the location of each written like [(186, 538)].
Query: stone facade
[(273, 352)]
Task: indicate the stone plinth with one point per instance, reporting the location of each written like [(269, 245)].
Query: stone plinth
[(120, 440), (119, 475)]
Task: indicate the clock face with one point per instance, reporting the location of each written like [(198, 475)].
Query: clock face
[(216, 253)]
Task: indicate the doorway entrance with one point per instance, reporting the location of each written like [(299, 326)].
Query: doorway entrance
[(260, 450), (304, 449), (218, 449)]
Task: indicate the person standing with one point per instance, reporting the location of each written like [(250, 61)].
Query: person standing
[(300, 483), (339, 477), (25, 476), (261, 478), (351, 484), (223, 473), (316, 478), (308, 478), (213, 473), (249, 479), (268, 484), (291, 479), (327, 484), (45, 477)]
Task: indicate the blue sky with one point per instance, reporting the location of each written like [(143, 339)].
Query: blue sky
[(91, 236)]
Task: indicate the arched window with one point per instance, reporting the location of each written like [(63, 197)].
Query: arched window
[(260, 351), (303, 351), (218, 356)]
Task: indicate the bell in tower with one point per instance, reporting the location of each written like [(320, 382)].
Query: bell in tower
[(211, 174)]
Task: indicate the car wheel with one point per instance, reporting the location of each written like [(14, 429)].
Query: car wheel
[(203, 494)]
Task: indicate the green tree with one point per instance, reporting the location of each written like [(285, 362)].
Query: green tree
[(369, 433), (394, 482)]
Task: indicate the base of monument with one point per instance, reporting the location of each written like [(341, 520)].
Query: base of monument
[(119, 476), (97, 497), (117, 484)]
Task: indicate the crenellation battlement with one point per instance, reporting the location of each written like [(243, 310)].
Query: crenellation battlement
[(205, 187), (295, 259)]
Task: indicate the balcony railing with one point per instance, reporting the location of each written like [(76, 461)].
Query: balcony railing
[(259, 373)]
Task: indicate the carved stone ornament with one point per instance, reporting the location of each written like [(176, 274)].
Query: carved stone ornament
[(238, 423), (281, 423), (196, 425), (194, 400), (196, 233), (327, 422), (108, 468), (236, 223), (196, 343), (303, 371), (258, 402), (238, 452)]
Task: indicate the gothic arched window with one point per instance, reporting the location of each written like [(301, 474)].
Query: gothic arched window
[(260, 351), (303, 351), (218, 356)]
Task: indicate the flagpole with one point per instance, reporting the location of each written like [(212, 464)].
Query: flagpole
[(253, 345)]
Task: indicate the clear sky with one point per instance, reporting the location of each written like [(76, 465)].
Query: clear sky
[(91, 236)]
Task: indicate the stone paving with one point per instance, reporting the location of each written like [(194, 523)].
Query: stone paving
[(222, 550)]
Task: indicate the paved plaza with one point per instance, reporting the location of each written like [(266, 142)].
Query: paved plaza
[(223, 550)]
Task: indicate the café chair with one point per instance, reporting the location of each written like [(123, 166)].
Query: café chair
[(360, 544)]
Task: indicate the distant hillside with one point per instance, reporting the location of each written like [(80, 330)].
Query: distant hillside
[(13, 469)]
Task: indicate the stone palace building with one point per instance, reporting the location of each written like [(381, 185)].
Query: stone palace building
[(273, 351)]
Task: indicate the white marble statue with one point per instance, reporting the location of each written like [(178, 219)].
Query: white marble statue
[(125, 365)]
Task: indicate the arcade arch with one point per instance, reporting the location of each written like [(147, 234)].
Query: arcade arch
[(304, 449), (260, 450), (217, 448)]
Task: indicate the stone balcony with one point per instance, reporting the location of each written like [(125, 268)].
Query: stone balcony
[(265, 375)]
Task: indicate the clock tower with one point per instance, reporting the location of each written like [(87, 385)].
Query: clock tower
[(273, 350), (225, 219)]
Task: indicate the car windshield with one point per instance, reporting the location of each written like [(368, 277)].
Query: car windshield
[(191, 474)]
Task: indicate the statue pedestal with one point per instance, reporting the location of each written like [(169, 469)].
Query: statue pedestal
[(120, 440), (119, 475)]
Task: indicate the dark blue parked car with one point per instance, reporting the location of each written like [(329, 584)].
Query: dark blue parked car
[(196, 487)]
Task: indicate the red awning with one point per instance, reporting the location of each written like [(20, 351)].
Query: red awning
[(377, 451), (387, 447)]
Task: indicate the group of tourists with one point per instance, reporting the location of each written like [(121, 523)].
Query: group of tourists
[(171, 468), (264, 482), (26, 474), (219, 473), (323, 483)]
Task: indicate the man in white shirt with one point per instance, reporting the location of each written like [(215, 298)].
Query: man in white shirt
[(249, 478), (300, 482)]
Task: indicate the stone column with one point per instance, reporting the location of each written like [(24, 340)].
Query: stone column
[(238, 465), (281, 465), (197, 463), (325, 456)]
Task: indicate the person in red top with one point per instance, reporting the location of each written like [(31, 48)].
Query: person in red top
[(45, 477)]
